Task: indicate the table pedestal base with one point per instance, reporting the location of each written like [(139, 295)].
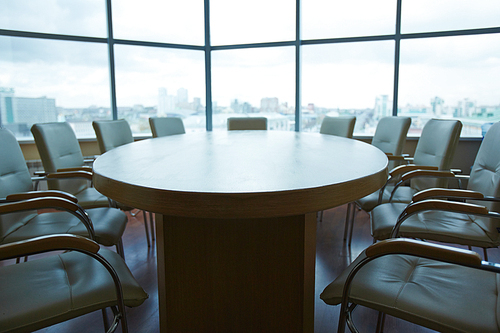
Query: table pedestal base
[(236, 275)]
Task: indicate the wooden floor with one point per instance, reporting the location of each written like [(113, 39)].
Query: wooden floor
[(332, 258)]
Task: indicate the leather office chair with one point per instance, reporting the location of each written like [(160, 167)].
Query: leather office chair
[(111, 134), (435, 150), (247, 123), (339, 126), (164, 126), (59, 287), (106, 224), (442, 288), (62, 158), (390, 137), (431, 216)]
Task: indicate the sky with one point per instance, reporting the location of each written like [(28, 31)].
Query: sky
[(342, 75)]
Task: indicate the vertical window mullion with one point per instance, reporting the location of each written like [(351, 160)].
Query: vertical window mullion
[(298, 107), (111, 56), (208, 69), (397, 40)]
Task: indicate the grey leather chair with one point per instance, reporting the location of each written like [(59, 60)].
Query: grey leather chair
[(246, 123), (442, 288), (339, 126), (104, 224), (52, 289), (165, 126), (390, 137), (435, 150), (430, 216), (111, 134), (62, 158)]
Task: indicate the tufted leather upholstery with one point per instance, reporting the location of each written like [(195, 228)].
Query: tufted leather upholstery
[(59, 148), (164, 126), (390, 135), (441, 296), (436, 147), (339, 126), (112, 133), (42, 292), (247, 123), (448, 226), (109, 223)]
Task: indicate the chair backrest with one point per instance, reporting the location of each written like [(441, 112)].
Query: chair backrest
[(112, 133), (436, 147), (339, 126), (485, 174), (59, 148), (390, 136), (247, 123), (165, 126), (14, 178)]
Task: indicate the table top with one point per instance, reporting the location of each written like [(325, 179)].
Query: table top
[(237, 174)]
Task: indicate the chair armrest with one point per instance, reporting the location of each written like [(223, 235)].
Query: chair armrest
[(435, 204), (50, 202), (443, 205), (47, 243), (426, 173), (420, 173), (402, 169), (442, 193), (39, 203), (80, 168), (423, 249), (41, 194), (70, 174), (391, 157)]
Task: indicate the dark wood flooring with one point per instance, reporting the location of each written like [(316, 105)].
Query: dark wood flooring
[(332, 257)]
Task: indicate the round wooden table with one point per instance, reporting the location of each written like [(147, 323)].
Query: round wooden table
[(236, 219)]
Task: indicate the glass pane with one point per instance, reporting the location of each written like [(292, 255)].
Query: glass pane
[(240, 22), (432, 15), (331, 19), (180, 22), (160, 82), (254, 82), (44, 81), (75, 17), (451, 77), (347, 79)]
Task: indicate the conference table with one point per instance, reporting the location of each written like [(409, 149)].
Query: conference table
[(236, 220)]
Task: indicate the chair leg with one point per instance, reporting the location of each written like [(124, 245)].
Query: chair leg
[(485, 254), (120, 250), (347, 219), (105, 319), (380, 322), (146, 227), (152, 226), (353, 216)]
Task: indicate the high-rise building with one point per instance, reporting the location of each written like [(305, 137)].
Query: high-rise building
[(382, 107), (20, 113), (162, 102), (269, 104)]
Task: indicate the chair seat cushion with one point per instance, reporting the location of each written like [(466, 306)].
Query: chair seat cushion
[(91, 198), (440, 296), (49, 290), (441, 226), (109, 225), (403, 194)]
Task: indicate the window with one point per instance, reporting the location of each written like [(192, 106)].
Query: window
[(254, 82), (347, 79), (204, 60)]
